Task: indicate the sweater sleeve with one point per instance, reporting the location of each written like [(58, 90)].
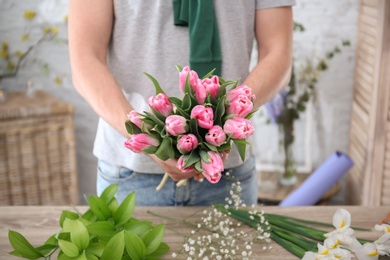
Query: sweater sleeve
[(263, 4)]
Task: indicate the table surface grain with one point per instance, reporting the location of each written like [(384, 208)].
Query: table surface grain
[(37, 223)]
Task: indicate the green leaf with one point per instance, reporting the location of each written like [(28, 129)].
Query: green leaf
[(220, 111), (291, 247), (194, 129), (132, 128), (138, 227), (113, 206), (209, 74), (153, 238), (22, 246), (154, 118), (241, 147), (68, 248), (46, 249), (165, 150), (221, 91), (64, 236), (115, 247), (95, 249), (211, 147), (67, 214), (162, 249), (109, 193), (92, 257), (65, 257), (186, 106), (101, 228), (176, 101), (251, 114), (155, 83), (88, 215), (125, 210), (52, 240), (78, 233), (191, 159), (224, 147), (198, 167), (135, 247), (99, 207), (82, 256), (150, 149), (205, 157), (160, 116), (307, 245), (179, 69)]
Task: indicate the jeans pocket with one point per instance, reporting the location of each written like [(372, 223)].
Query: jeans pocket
[(114, 173)]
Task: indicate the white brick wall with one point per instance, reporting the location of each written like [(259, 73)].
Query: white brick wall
[(326, 23)]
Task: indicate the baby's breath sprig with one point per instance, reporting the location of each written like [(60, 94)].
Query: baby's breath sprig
[(218, 236)]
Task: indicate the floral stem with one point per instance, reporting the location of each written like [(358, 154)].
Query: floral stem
[(163, 181)]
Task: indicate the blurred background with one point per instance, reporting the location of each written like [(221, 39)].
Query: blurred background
[(331, 40)]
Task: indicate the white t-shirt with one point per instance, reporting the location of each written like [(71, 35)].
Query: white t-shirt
[(144, 39)]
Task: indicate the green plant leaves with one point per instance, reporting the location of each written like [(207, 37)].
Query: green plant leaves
[(115, 247), (135, 247), (99, 208), (78, 233), (125, 210), (22, 247), (155, 83), (153, 238), (241, 147), (109, 193), (132, 128), (68, 248), (104, 231)]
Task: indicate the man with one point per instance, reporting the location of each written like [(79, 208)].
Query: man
[(113, 42)]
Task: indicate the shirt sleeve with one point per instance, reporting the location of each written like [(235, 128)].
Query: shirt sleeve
[(263, 4)]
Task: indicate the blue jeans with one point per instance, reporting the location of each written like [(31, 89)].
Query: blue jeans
[(195, 193)]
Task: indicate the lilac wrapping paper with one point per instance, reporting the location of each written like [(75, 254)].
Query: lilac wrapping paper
[(320, 181)]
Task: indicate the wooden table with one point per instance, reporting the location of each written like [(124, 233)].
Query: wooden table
[(37, 223)]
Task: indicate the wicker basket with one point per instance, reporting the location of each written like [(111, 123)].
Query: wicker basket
[(37, 151)]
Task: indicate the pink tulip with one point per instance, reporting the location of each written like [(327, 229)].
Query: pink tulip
[(187, 143), (136, 119), (180, 164), (161, 103), (216, 136), (240, 127), (213, 168), (204, 116), (241, 106), (211, 85), (137, 142), (200, 94), (238, 91), (176, 125), (183, 77)]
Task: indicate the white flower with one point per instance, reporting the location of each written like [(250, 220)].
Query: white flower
[(383, 244), (342, 223), (368, 251), (383, 227), (341, 254)]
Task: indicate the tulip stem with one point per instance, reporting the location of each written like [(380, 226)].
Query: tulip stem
[(163, 181), (181, 183)]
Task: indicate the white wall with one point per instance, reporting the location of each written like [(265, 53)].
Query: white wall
[(326, 23)]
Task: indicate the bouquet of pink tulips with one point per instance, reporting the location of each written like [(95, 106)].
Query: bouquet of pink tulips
[(197, 128)]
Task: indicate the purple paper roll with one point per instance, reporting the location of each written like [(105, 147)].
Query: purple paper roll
[(320, 181)]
